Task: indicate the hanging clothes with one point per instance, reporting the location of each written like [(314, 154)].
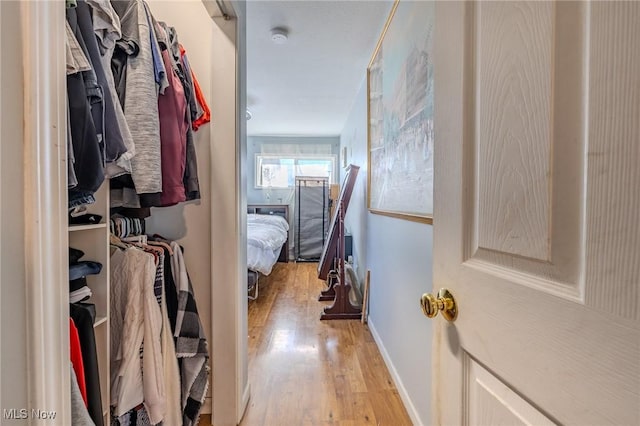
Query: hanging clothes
[(172, 107), (76, 360), (190, 179), (170, 289), (139, 414), (132, 103), (171, 369), (106, 27), (106, 24), (140, 100), (160, 72), (72, 180), (76, 59), (191, 183), (82, 92), (113, 52), (104, 118), (183, 346), (83, 316), (191, 343), (79, 414), (203, 113), (135, 317)]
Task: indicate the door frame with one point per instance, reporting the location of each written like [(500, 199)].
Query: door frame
[(45, 212), (229, 317)]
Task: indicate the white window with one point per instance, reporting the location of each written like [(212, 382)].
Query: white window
[(280, 171)]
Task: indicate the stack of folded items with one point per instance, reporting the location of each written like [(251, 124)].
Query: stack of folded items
[(78, 271)]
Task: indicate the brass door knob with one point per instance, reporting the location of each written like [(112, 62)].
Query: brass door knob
[(445, 302)]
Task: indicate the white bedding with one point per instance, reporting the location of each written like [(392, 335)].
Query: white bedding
[(265, 236)]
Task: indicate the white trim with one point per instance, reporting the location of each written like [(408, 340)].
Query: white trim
[(228, 324), (45, 202), (246, 396), (404, 395), (208, 403), (242, 358), (1, 209)]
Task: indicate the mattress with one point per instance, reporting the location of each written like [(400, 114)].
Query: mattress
[(265, 236)]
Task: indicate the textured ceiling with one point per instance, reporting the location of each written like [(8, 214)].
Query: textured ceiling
[(306, 87)]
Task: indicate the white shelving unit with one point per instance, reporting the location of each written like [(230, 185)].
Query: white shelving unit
[(93, 240), (74, 228)]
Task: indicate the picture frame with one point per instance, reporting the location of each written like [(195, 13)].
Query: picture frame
[(400, 131)]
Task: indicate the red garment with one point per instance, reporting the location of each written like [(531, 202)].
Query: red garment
[(206, 115), (206, 112), (76, 359)]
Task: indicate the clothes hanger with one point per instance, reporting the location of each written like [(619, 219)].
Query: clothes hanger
[(161, 244), (117, 242), (161, 241), (136, 239)]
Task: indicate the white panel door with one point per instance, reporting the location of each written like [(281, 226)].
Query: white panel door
[(537, 213)]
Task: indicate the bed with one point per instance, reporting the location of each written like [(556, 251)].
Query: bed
[(267, 240)]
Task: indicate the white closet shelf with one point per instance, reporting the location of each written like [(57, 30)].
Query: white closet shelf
[(87, 227), (100, 321)]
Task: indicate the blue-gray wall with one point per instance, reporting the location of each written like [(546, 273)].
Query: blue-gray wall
[(398, 254)]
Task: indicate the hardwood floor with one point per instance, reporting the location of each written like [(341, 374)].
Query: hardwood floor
[(304, 371)]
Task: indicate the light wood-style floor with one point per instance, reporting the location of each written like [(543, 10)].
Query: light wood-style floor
[(304, 371)]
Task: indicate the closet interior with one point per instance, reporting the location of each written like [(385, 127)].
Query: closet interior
[(138, 346)]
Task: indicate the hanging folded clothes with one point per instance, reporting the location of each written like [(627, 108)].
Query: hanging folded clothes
[(84, 268), (79, 291)]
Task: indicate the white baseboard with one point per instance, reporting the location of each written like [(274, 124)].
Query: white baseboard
[(246, 395), (206, 407), (404, 396)]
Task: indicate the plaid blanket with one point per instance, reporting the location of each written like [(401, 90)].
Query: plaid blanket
[(191, 343)]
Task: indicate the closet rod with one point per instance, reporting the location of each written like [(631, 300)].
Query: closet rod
[(223, 10)]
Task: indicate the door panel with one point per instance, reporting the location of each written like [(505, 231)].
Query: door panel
[(510, 64), (527, 137), (492, 403), (536, 208)]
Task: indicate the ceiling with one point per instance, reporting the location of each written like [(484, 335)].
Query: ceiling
[(306, 86)]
